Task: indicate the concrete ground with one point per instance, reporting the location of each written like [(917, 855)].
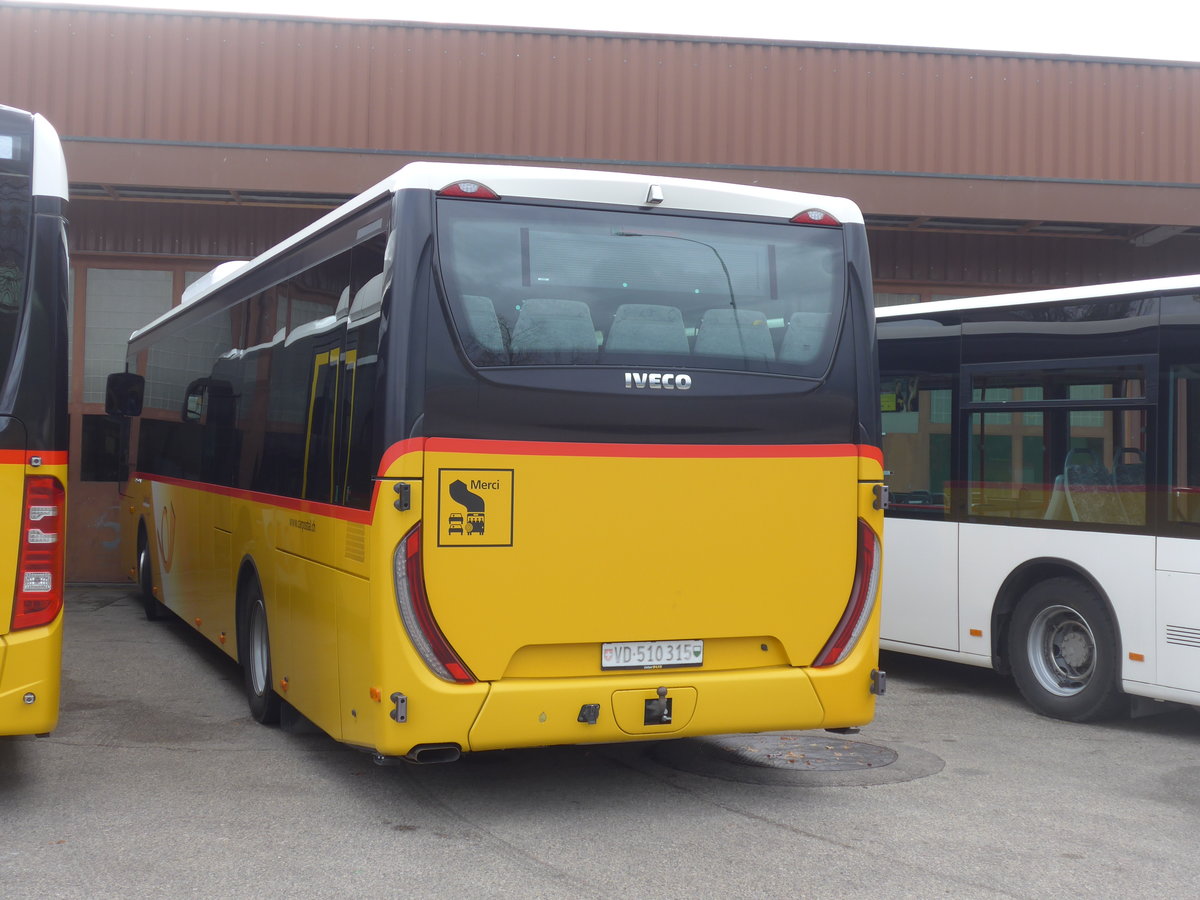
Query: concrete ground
[(156, 783)]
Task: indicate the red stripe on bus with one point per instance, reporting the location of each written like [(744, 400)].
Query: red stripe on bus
[(313, 507), (23, 457), (397, 450), (631, 451)]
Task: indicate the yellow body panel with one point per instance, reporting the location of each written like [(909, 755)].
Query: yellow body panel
[(753, 555), (31, 663), (30, 659), (740, 550)]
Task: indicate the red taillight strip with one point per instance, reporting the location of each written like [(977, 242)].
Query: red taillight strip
[(38, 593), (861, 603), (418, 619)]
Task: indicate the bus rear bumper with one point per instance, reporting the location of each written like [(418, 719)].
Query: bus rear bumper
[(531, 712), (30, 679)]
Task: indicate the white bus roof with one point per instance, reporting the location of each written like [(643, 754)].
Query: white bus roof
[(1055, 295), (567, 185), (49, 167), (49, 163)]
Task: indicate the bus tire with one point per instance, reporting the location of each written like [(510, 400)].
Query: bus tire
[(1063, 652), (145, 574), (256, 659)]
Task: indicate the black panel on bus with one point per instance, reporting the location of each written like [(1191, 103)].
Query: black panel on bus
[(592, 402)]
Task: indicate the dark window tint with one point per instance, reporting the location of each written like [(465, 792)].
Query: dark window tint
[(101, 449), (306, 415), (275, 394), (558, 286), (16, 212), (1181, 364)]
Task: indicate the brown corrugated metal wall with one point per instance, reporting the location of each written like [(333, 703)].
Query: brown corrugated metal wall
[(285, 82), (216, 232), (186, 132)]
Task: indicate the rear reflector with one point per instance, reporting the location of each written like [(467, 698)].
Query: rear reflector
[(816, 216), (861, 603), (38, 597), (472, 189), (418, 619)]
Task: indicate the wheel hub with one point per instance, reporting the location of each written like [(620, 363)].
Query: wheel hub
[(1062, 651), (1076, 650)]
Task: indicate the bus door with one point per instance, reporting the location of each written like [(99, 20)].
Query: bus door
[(325, 588), (201, 550), (919, 398), (1178, 550)]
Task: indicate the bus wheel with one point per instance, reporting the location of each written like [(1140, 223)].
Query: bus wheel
[(1064, 652), (256, 660), (153, 608)]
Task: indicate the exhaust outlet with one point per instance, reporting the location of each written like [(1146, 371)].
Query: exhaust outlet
[(428, 754)]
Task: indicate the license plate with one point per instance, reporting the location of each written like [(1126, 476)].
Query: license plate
[(651, 654)]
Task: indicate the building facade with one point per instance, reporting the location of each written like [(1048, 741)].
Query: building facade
[(196, 138)]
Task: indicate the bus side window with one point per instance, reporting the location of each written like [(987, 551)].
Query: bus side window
[(916, 416), (1183, 465), (356, 444)]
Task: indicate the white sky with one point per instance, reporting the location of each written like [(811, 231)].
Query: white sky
[(1147, 29)]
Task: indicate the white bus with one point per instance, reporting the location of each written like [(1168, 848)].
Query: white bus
[(1042, 451)]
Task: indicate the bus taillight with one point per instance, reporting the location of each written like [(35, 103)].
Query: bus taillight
[(418, 619), (862, 600), (38, 597), (816, 216), (471, 189)]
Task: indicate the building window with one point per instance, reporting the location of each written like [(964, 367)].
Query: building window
[(101, 450), (119, 301)]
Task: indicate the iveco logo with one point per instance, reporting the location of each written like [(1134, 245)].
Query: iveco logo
[(658, 381)]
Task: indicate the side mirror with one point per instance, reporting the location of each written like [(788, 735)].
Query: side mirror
[(123, 393)]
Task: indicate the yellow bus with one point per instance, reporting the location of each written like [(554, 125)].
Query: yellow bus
[(499, 456), (33, 420)]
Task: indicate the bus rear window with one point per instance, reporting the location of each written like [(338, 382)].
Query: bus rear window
[(537, 286)]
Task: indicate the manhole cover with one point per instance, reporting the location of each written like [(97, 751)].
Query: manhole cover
[(812, 759), (805, 752)]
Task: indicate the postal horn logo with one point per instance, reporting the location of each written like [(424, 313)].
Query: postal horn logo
[(166, 536)]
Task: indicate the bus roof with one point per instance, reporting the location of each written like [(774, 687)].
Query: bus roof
[(567, 185), (1055, 295), (49, 165)]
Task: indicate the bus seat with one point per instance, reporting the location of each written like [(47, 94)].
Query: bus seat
[(641, 327), (804, 335), (742, 333), (1130, 481), (1129, 474), (1089, 489), (554, 326), (1057, 510), (343, 304), (483, 323)]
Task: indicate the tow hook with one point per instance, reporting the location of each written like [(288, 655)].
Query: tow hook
[(658, 712)]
